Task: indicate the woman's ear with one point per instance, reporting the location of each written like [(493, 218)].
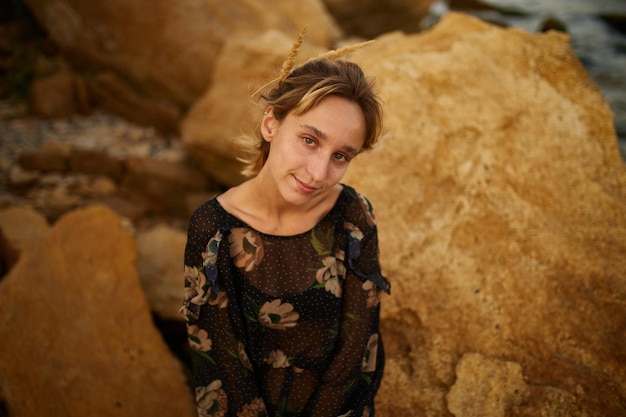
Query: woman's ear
[(268, 125)]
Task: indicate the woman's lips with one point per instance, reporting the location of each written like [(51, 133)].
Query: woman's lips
[(305, 188)]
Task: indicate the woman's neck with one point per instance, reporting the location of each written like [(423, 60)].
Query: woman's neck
[(263, 208)]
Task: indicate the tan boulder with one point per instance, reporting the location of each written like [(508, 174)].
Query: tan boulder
[(501, 201), (371, 18), (486, 387), (133, 208), (82, 341), (20, 227), (496, 388), (164, 49), (116, 96), (227, 111), (161, 251), (53, 155), (96, 162), (58, 95), (163, 185)]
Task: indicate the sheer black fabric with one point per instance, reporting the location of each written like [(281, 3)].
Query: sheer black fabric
[(285, 325)]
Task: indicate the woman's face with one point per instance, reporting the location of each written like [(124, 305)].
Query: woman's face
[(310, 153)]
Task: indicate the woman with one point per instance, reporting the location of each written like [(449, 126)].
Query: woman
[(282, 277)]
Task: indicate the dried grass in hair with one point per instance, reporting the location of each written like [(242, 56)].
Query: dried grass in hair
[(291, 59), (341, 52), (295, 48)]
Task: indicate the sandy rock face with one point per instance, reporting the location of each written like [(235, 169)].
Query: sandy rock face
[(161, 252), (166, 49), (81, 336), (370, 18), (58, 95), (20, 227), (501, 202)]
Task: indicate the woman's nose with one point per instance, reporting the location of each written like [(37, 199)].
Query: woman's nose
[(318, 168)]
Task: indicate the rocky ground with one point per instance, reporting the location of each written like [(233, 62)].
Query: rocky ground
[(22, 132), (40, 160)]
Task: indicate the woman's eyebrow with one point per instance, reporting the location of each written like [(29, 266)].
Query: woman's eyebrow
[(321, 135), (314, 130)]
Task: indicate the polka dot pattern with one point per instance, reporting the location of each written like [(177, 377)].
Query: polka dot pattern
[(285, 325)]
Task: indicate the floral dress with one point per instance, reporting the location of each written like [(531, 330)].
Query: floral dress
[(285, 325)]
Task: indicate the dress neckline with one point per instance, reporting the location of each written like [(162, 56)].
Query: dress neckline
[(330, 212)]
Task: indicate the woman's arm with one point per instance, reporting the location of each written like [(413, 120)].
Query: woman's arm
[(353, 377), (223, 378)]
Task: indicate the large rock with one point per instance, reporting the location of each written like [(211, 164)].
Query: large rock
[(76, 330), (165, 50), (20, 227), (371, 18), (53, 155), (161, 251), (501, 200), (59, 95), (162, 184)]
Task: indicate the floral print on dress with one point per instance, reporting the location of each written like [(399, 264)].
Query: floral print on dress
[(255, 409), (276, 284), (197, 290), (331, 275), (220, 300), (200, 289), (354, 239), (373, 293), (277, 315), (209, 260), (209, 256), (246, 248), (200, 342), (196, 293), (198, 338), (243, 356), (278, 359), (367, 209), (355, 232), (211, 400), (371, 353)]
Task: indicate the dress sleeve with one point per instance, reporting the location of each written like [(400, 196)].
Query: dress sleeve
[(351, 381), (223, 378)]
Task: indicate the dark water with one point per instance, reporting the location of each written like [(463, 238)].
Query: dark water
[(597, 39)]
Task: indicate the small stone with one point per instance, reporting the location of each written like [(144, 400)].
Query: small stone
[(21, 178)]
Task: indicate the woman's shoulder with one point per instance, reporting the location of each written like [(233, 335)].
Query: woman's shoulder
[(357, 208), (209, 216), (354, 195), (207, 208)]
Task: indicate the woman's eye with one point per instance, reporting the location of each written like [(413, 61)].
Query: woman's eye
[(341, 157), (308, 141)]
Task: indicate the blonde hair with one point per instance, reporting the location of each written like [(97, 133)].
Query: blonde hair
[(298, 90)]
